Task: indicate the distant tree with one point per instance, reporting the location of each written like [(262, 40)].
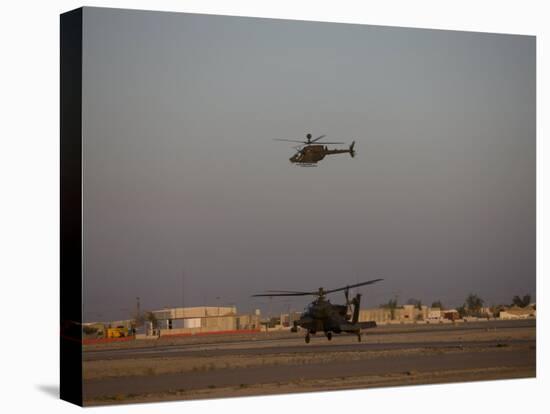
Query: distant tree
[(391, 305), (417, 303), (151, 317), (473, 304), (437, 304), (521, 302), (461, 311)]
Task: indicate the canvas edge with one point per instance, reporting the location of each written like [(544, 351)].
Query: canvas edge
[(71, 206)]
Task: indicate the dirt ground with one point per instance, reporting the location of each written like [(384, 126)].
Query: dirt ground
[(322, 385)]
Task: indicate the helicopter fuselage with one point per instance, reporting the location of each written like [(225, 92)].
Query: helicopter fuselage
[(322, 316), (312, 154), (314, 150)]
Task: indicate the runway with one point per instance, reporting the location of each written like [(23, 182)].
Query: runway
[(228, 366), (293, 342)]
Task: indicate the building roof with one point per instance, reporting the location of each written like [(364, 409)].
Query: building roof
[(516, 310)]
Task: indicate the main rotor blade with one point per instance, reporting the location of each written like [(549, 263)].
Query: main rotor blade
[(325, 292), (330, 142), (289, 291), (370, 282), (318, 138), (289, 140)]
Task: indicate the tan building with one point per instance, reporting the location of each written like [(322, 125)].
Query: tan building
[(406, 313), (248, 322), (203, 319), (434, 314), (378, 315), (515, 312), (195, 312)]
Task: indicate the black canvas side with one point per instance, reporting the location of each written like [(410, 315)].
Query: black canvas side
[(71, 206)]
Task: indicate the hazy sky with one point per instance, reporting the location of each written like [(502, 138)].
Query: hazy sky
[(188, 200)]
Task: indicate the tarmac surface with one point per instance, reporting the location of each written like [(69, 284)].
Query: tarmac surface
[(386, 350)]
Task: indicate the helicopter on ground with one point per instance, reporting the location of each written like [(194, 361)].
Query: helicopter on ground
[(322, 316), (310, 153)]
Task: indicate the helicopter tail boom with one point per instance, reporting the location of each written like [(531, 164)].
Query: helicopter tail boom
[(350, 150), (367, 325)]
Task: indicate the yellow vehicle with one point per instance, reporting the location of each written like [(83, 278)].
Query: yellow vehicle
[(119, 332)]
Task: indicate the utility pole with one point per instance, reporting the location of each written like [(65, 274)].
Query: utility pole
[(138, 316), (182, 288)]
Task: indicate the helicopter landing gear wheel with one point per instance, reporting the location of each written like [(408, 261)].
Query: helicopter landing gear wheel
[(307, 338), (329, 335), (358, 336)]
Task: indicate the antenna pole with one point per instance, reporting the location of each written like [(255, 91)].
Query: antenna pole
[(182, 288)]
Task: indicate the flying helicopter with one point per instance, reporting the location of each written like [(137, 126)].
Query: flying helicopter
[(322, 316), (311, 151)]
